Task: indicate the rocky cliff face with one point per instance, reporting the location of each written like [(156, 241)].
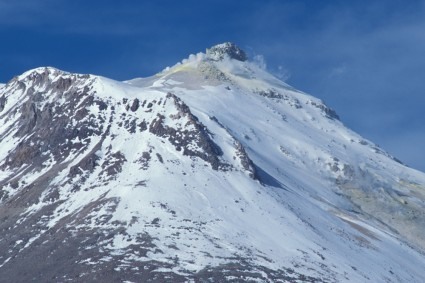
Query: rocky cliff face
[(212, 170)]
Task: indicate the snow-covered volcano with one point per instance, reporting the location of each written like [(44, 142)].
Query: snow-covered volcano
[(211, 171)]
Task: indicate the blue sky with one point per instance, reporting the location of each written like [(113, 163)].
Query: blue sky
[(365, 59)]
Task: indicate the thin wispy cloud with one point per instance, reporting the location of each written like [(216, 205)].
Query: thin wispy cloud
[(337, 71)]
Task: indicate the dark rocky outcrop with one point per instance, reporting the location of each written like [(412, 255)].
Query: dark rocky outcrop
[(329, 113), (193, 142), (44, 123), (220, 51), (135, 105), (277, 96), (246, 162), (2, 102)]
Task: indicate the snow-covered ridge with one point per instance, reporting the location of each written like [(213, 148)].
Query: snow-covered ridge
[(212, 170), (41, 70)]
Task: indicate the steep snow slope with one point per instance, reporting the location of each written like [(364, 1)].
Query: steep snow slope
[(210, 170)]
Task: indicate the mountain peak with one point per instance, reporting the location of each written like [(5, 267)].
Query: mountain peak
[(40, 71), (213, 170), (228, 49)]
